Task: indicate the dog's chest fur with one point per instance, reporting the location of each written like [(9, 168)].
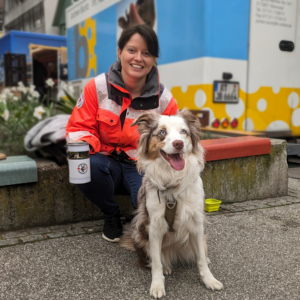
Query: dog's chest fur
[(187, 191)]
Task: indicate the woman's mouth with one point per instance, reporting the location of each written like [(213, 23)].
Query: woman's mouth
[(138, 67)]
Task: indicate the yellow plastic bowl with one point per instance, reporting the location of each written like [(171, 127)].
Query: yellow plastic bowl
[(212, 205)]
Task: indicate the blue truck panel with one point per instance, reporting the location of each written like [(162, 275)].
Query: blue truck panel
[(205, 28), (186, 30), (92, 39)]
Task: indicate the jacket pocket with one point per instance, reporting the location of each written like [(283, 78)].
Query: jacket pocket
[(107, 117)]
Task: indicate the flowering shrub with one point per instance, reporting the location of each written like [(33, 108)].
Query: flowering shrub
[(20, 113), (67, 103)]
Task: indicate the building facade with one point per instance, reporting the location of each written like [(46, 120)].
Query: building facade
[(1, 18), (30, 15)]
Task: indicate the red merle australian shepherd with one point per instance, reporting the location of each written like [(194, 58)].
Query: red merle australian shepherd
[(168, 226)]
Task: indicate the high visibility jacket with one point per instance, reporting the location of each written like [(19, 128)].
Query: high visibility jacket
[(105, 111)]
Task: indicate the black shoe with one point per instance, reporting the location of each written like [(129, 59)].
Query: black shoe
[(126, 218), (112, 230)]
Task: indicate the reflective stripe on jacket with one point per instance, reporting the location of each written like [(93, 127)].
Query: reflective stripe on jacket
[(105, 111)]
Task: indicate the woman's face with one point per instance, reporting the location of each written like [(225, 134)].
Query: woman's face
[(135, 58)]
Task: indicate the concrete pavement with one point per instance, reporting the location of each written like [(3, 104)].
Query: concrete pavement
[(254, 253)]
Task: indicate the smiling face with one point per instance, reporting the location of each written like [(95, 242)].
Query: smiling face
[(168, 139), (135, 58), (171, 140)]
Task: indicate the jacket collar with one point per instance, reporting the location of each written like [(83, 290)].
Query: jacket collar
[(150, 93)]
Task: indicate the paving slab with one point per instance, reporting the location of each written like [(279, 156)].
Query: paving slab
[(294, 170), (255, 254)]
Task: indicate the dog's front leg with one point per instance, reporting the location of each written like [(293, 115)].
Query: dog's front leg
[(207, 277), (157, 289)]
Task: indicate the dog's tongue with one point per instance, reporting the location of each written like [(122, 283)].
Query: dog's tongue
[(176, 161)]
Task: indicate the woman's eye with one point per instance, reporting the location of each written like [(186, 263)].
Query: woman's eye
[(130, 50), (183, 131), (146, 53), (162, 132)]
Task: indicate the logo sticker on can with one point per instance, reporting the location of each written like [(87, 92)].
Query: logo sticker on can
[(82, 168)]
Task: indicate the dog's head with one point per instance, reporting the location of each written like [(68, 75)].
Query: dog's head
[(171, 138)]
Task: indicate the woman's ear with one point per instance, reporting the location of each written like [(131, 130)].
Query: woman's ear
[(119, 53)]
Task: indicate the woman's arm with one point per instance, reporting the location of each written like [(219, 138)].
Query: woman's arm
[(82, 124)]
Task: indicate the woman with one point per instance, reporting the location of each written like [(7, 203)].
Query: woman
[(103, 115)]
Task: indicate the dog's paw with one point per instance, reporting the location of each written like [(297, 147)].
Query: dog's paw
[(157, 290), (212, 283), (167, 271)]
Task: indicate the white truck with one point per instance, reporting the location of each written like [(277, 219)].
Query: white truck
[(236, 60)]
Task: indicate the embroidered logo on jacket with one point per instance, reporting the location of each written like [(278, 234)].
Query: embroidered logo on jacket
[(80, 101)]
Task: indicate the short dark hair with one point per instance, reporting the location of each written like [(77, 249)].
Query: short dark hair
[(146, 32)]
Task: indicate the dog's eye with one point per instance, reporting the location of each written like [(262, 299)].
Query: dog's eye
[(162, 132), (183, 131)]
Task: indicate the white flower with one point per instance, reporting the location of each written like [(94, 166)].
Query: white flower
[(29, 98), (38, 111), (70, 90), (31, 88), (5, 114), (15, 98), (10, 94), (3, 98), (63, 85), (6, 91), (22, 89), (50, 82), (35, 94), (20, 84), (13, 89)]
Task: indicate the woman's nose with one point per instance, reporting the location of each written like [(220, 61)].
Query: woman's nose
[(138, 56)]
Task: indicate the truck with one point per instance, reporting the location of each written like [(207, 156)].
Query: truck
[(234, 63), (49, 50)]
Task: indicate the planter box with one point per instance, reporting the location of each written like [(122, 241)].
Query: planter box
[(53, 200)]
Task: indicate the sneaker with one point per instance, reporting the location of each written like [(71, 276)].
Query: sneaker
[(112, 229), (126, 218)]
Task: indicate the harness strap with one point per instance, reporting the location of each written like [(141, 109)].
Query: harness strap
[(170, 213)]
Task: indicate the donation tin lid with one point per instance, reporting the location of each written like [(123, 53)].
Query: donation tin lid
[(78, 147)]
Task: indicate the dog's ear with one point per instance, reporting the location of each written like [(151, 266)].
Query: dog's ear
[(147, 123), (194, 125)]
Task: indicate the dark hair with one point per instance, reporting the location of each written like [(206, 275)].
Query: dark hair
[(146, 32)]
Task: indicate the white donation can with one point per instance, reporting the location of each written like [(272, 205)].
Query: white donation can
[(79, 162)]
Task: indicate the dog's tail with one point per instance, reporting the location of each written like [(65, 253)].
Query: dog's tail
[(126, 240)]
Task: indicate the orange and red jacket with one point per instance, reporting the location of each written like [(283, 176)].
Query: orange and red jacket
[(105, 111)]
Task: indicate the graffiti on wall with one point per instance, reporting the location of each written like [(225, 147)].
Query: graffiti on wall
[(84, 56)]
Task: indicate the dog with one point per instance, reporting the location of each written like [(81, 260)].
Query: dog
[(168, 223)]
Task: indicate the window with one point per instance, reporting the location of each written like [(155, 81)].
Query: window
[(29, 21), (38, 15), (1, 20), (26, 21)]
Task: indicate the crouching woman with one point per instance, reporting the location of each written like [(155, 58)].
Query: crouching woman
[(102, 117)]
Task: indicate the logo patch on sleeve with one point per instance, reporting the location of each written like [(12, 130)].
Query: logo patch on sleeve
[(80, 101)]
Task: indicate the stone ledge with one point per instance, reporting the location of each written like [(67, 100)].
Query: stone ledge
[(53, 200), (248, 178)]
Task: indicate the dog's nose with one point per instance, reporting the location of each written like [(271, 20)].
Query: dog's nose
[(178, 144)]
